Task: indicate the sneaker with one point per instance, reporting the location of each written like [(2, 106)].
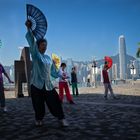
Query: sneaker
[(41, 123), (115, 98), (71, 102), (38, 123), (105, 97), (64, 123)]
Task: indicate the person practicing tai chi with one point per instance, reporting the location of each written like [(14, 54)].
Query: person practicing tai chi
[(106, 82), (42, 89), (74, 81), (63, 84), (2, 96)]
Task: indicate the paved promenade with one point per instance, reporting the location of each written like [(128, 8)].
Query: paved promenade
[(91, 118)]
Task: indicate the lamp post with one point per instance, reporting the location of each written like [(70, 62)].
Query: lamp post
[(132, 71), (94, 72)]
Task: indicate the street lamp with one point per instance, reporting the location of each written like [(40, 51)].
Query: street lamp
[(94, 66), (132, 71)]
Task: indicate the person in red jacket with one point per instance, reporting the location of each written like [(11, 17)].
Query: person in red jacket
[(106, 82)]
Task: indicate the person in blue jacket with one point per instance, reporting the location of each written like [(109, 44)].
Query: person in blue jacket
[(42, 89)]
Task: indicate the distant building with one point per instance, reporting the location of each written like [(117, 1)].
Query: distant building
[(122, 57), (69, 63), (101, 68), (7, 69), (114, 72), (136, 68)]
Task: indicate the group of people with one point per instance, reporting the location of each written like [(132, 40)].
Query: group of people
[(42, 90), (64, 86)]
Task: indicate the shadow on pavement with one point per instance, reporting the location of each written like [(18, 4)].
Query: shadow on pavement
[(91, 117)]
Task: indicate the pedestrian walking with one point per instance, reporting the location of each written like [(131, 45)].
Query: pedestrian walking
[(106, 81)]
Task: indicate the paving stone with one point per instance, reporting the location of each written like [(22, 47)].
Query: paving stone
[(91, 118)]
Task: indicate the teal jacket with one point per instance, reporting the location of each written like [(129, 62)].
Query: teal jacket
[(42, 66)]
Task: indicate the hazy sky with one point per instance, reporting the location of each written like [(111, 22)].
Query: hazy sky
[(78, 29)]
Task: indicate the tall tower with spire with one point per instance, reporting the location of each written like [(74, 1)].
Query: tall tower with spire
[(122, 57)]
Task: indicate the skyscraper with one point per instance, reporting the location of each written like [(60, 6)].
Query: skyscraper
[(122, 57), (114, 72)]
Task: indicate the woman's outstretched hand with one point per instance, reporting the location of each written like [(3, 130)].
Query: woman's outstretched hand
[(28, 24)]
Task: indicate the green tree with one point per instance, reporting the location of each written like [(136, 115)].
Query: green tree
[(0, 43)]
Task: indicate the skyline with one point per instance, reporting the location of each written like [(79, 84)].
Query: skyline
[(77, 29)]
